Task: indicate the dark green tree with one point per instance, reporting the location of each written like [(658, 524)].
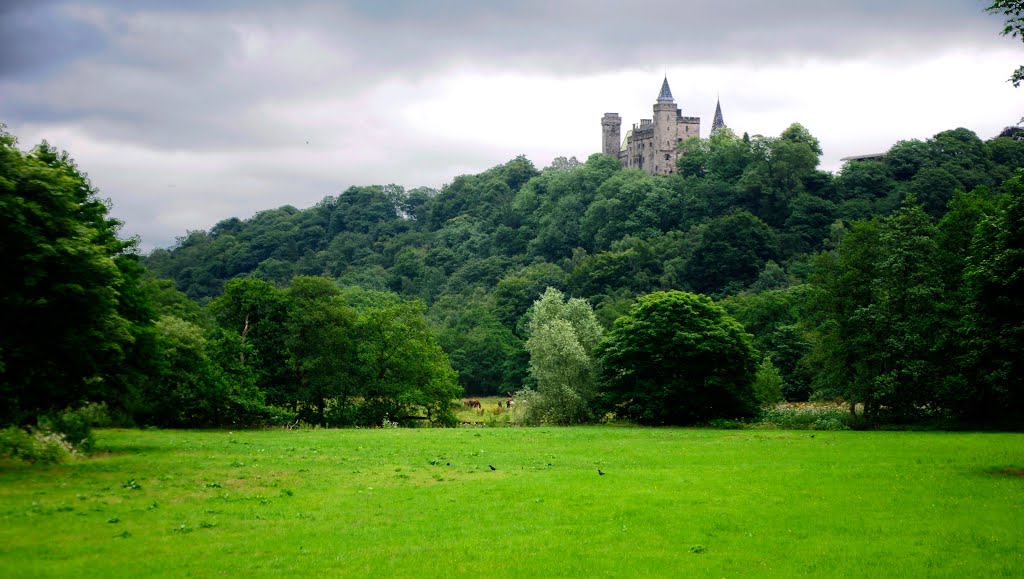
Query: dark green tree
[(733, 248), (70, 309), (677, 358), (995, 326), (257, 312), (402, 368), (322, 352)]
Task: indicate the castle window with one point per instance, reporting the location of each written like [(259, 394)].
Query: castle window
[(668, 157)]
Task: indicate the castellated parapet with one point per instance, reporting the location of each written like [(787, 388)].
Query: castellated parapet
[(651, 144)]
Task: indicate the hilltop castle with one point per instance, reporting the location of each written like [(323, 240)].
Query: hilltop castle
[(651, 145)]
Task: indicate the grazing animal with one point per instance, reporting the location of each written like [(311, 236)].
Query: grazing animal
[(472, 403), (600, 472)]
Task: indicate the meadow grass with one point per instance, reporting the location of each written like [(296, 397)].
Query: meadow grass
[(425, 502)]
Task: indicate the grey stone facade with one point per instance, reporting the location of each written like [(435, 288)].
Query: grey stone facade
[(651, 144)]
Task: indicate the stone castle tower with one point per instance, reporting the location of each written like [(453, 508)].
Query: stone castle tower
[(651, 144)]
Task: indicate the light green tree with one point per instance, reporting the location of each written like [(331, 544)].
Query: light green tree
[(562, 337)]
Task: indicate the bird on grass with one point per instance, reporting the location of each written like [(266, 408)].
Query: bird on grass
[(492, 467), (600, 472)]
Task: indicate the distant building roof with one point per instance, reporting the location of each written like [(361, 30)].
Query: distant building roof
[(868, 157)]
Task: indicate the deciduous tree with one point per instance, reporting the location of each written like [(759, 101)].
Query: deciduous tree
[(678, 358)]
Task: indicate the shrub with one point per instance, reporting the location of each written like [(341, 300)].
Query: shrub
[(725, 424), (529, 408), (767, 383), (40, 446), (97, 414), (74, 425), (793, 416)]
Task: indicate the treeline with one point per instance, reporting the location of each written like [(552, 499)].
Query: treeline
[(750, 221), (85, 323), (891, 285)]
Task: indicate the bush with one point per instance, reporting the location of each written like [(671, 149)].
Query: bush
[(725, 424), (529, 408), (767, 383), (41, 446), (97, 414), (74, 425), (805, 417)]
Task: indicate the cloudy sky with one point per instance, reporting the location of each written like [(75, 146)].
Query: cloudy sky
[(185, 112)]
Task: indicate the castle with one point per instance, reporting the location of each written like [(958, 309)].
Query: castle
[(651, 145)]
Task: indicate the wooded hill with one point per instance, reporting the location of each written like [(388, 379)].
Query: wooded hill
[(876, 284)]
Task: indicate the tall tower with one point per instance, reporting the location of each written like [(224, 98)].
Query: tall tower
[(611, 124), (665, 132), (718, 123)]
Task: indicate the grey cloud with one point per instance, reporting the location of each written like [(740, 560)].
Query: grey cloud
[(198, 76), (186, 74), (35, 39)]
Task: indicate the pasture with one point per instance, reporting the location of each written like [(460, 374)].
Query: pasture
[(427, 502)]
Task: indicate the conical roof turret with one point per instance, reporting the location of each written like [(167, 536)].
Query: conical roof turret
[(719, 122), (666, 93)]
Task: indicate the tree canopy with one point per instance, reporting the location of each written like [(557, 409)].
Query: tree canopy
[(678, 358), (69, 293)]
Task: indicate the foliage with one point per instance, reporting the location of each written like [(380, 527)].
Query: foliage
[(69, 325), (301, 323), (563, 335), (75, 425), (1013, 11), (678, 358), (767, 383), (994, 326), (38, 446), (820, 416)]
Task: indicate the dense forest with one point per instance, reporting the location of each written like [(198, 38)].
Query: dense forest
[(893, 285), (890, 248)]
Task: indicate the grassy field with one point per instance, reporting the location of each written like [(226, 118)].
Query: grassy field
[(426, 502)]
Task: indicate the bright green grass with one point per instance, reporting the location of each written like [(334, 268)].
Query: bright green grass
[(423, 502)]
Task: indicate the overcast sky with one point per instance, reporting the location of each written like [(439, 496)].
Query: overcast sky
[(186, 112)]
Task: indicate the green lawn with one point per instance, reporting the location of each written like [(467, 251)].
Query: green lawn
[(425, 502)]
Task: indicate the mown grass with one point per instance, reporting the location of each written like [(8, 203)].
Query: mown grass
[(425, 502)]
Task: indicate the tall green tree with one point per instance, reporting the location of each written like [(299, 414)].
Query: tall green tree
[(66, 304), (678, 358), (321, 343), (733, 249), (879, 314), (563, 335), (403, 369), (257, 312), (994, 280)]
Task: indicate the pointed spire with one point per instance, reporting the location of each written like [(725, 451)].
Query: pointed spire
[(666, 93), (719, 122)]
